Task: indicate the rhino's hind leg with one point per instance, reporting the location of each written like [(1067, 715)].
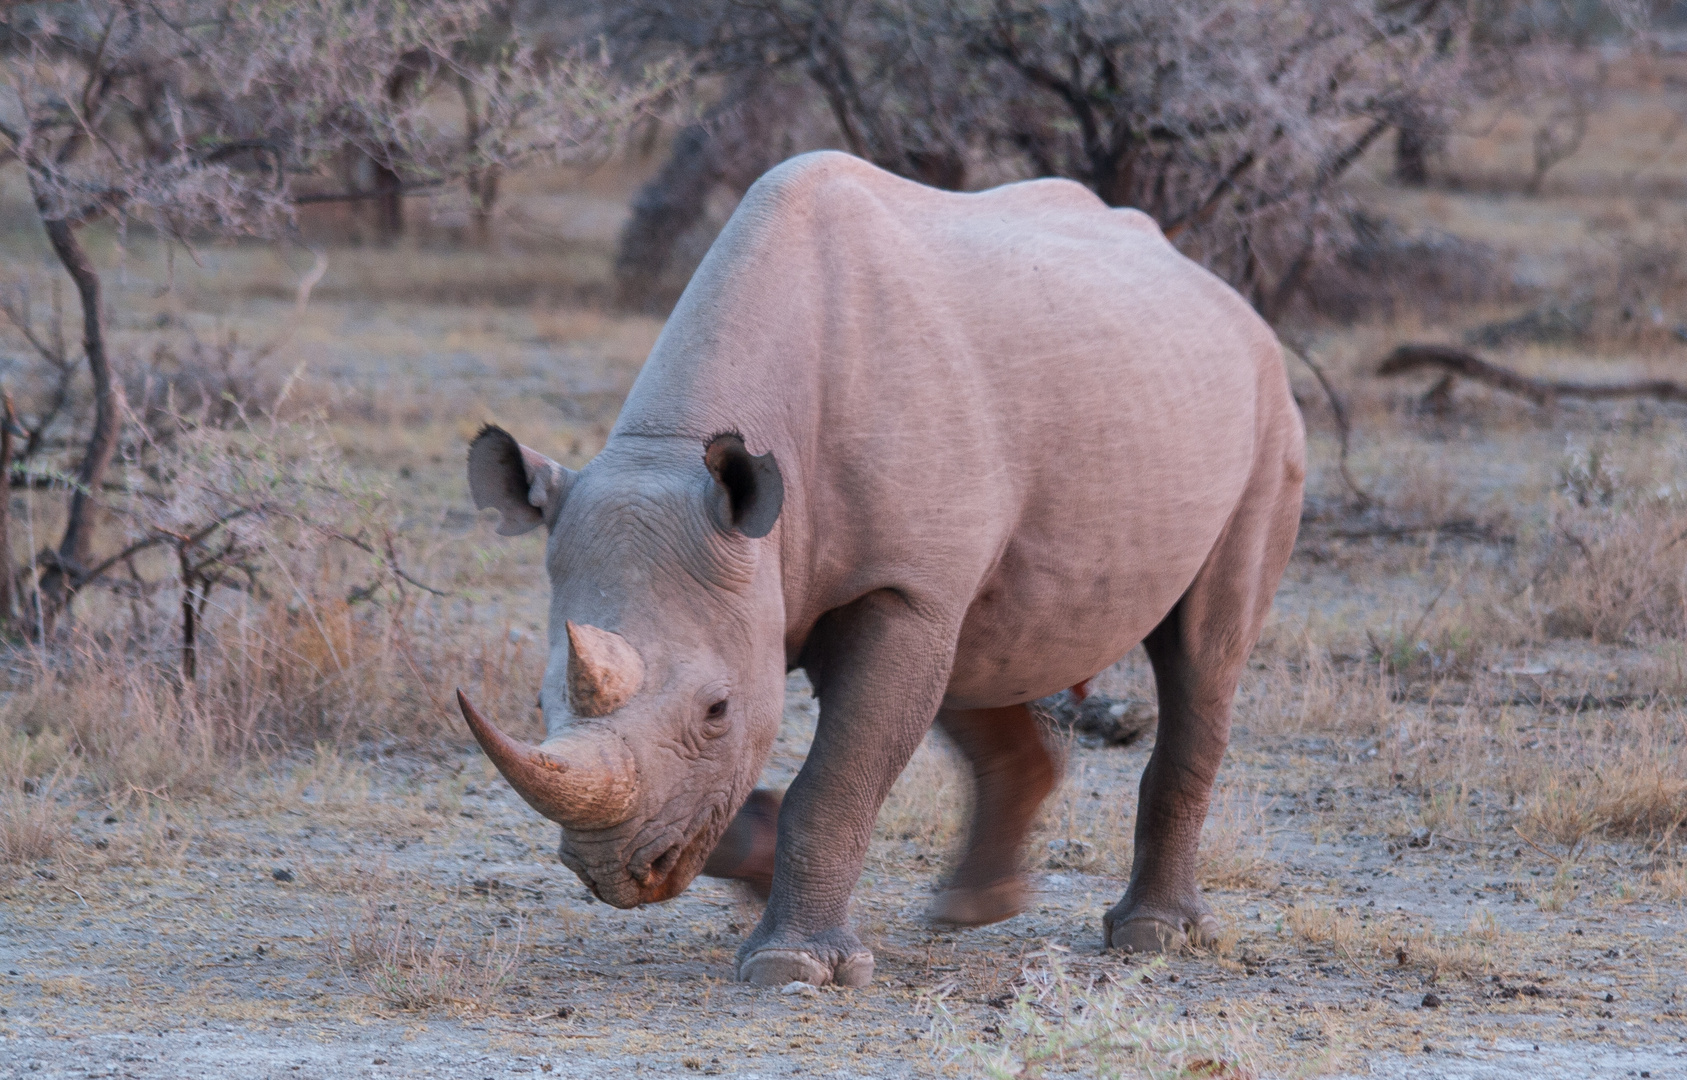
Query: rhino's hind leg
[(1199, 652), (1013, 772)]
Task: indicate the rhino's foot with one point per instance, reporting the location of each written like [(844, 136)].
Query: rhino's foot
[(1142, 930), (964, 906), (834, 957)]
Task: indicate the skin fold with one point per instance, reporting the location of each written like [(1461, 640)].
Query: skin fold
[(948, 453)]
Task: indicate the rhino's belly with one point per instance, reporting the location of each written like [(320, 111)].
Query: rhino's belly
[(1044, 622)]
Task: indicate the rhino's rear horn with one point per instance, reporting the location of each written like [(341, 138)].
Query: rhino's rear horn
[(582, 780), (604, 670)]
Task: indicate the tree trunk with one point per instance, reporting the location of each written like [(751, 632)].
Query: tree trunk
[(673, 201), (75, 553), (8, 578), (1411, 155), (190, 627), (741, 137), (389, 204), (483, 194)]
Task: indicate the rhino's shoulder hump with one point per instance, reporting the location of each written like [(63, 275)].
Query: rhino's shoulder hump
[(825, 178)]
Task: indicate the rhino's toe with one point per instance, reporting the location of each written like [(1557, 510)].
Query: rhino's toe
[(963, 906), (1146, 934), (780, 966)]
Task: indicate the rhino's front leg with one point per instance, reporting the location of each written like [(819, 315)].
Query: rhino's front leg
[(879, 669)]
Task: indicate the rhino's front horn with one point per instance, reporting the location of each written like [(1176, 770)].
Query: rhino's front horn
[(581, 780), (604, 670)]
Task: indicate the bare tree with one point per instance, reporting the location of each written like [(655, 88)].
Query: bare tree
[(220, 117), (880, 75), (1232, 122)]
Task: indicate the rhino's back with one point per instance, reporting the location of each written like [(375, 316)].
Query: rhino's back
[(1015, 403)]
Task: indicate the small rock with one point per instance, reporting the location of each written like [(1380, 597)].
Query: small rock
[(1432, 1000), (379, 1061), (797, 986), (281, 874)]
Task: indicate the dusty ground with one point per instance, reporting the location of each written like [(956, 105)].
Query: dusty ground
[(182, 954), (1385, 835)]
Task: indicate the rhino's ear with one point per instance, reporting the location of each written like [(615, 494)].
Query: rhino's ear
[(525, 486), (749, 490)]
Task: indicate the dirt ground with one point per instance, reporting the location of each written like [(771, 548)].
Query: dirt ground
[(202, 961), (1414, 844)]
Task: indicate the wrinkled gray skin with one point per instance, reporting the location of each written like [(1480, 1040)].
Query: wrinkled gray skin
[(1017, 435)]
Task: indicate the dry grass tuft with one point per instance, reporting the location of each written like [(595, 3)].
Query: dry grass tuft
[(1300, 690), (36, 806), (1392, 945), (35, 819), (1233, 842), (1615, 566), (929, 804), (413, 969), (1060, 1023), (1626, 794), (272, 676)]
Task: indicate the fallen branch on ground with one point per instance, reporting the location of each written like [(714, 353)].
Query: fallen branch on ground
[(1452, 362)]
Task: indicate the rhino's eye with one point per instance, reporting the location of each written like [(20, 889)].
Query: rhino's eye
[(717, 710)]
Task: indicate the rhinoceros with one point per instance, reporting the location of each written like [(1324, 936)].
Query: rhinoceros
[(948, 453)]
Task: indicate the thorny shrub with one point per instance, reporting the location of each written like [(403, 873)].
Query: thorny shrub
[(260, 604)]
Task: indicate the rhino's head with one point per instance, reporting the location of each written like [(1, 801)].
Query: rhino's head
[(665, 681)]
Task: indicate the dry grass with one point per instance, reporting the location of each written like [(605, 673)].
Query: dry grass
[(925, 815), (272, 676), (35, 810), (415, 967), (1234, 843), (1061, 1023), (1377, 944), (1617, 572)]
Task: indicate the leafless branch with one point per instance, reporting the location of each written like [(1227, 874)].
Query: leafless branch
[(1406, 359)]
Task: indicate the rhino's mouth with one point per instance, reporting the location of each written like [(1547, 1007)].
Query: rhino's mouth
[(674, 869), (638, 881)]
